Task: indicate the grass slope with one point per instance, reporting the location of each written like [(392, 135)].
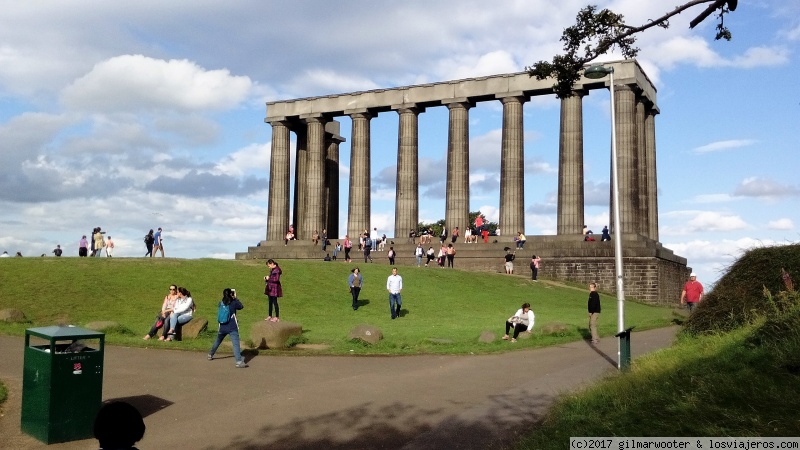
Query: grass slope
[(438, 303)]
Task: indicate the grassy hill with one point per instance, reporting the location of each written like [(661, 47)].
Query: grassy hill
[(440, 305)]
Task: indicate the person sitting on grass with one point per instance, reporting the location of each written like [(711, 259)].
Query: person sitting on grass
[(521, 321), (162, 319), (184, 306)]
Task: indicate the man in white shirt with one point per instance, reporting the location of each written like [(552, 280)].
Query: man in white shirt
[(394, 284), (374, 238)]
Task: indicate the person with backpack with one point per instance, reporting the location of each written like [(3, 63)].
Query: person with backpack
[(148, 242), (229, 325)]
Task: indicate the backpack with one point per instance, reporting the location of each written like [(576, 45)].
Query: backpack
[(223, 313), (148, 239)]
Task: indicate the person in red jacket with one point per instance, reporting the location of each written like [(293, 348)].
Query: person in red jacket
[(692, 292)]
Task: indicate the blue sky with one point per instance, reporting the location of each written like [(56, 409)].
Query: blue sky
[(134, 116)]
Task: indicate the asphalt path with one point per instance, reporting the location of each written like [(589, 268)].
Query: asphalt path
[(334, 402)]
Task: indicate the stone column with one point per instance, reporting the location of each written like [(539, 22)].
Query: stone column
[(457, 195), (314, 179), (300, 188), (512, 167), (570, 214), (652, 174), (406, 207), (625, 99), (331, 205), (641, 168), (358, 206), (278, 203)]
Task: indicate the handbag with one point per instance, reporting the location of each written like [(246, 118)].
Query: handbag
[(159, 321)]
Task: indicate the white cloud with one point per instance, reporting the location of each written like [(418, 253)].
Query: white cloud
[(781, 224), (724, 145), (713, 198), (765, 188), (136, 82), (688, 222), (697, 50)]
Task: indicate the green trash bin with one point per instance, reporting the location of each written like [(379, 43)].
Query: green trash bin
[(62, 382), (625, 348)]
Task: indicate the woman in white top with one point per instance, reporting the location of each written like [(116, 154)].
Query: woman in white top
[(182, 312), (522, 320)]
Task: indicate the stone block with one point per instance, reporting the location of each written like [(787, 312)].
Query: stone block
[(194, 327), (487, 337), (555, 328), (12, 315), (366, 333), (266, 334)]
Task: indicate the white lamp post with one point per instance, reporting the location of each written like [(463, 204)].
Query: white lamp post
[(596, 72)]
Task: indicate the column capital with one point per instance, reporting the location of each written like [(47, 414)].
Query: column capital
[(359, 113), (408, 107), (460, 101), (313, 118), (518, 96)]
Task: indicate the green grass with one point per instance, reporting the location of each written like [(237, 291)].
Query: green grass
[(3, 393), (714, 385), (440, 304)]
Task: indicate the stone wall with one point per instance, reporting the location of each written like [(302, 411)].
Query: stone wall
[(652, 273)]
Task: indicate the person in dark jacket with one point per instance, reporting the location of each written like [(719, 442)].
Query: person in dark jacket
[(273, 289), (231, 327), (594, 311)]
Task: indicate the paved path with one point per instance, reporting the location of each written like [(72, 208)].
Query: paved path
[(313, 402)]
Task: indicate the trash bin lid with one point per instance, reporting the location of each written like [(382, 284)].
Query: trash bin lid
[(57, 333)]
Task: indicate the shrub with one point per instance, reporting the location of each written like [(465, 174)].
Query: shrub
[(742, 296)]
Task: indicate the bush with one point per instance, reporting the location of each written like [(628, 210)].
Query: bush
[(742, 295)]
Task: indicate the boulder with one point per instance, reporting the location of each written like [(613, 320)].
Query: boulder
[(101, 325), (555, 328), (266, 334), (366, 333), (194, 327), (11, 315), (487, 337)]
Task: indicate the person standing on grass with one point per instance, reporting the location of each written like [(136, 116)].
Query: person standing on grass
[(521, 321), (509, 265), (391, 255), (148, 242), (394, 284), (273, 289), (355, 280), (535, 261), (418, 252), (229, 327), (451, 256), (594, 312), (692, 292)]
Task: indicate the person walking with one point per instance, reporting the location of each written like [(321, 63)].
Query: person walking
[(594, 312), (109, 247), (394, 284), (348, 244), (229, 326), (692, 292), (535, 261), (158, 243), (273, 289), (148, 242), (367, 253), (418, 252), (391, 254), (355, 280), (429, 256)]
